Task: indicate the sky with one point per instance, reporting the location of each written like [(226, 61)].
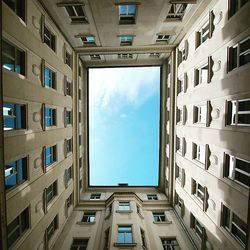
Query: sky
[(124, 115)]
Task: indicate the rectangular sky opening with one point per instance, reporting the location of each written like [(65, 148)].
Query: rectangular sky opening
[(124, 123)]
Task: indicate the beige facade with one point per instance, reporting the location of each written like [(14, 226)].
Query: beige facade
[(202, 200)]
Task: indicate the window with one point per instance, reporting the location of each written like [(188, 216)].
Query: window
[(79, 244), (143, 239), (201, 75), (155, 55), (68, 146), (162, 38), (196, 226), (18, 6), (237, 169), (69, 201), (170, 244), (68, 115), (198, 190), (80, 140), (49, 78), (80, 162), (16, 172), (178, 173), (182, 84), (127, 13), (53, 226), (67, 87), (176, 12), (50, 155), (180, 203), (152, 197), (51, 192), (200, 114), (76, 13), (14, 116), (13, 58), (180, 145), (239, 54), (234, 225), (106, 239), (124, 206), (199, 153), (49, 38), (238, 112), (67, 58), (68, 174), (124, 234), (88, 40), (126, 40), (88, 217), (49, 117), (80, 116), (17, 227), (159, 216), (125, 56), (234, 6), (205, 31), (80, 94), (95, 196), (95, 57)]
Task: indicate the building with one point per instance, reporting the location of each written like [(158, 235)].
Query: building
[(202, 200)]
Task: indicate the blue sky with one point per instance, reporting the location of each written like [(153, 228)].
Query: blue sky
[(124, 125)]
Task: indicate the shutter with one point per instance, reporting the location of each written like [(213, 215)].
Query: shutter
[(66, 178), (183, 177), (207, 155), (196, 77), (46, 246), (65, 148), (66, 209), (228, 112), (65, 120), (186, 49), (183, 146), (197, 39), (182, 208), (185, 82), (195, 114), (43, 117), (211, 24), (208, 115), (42, 28), (178, 86), (65, 85), (203, 241), (184, 115), (45, 200), (44, 159), (205, 203), (42, 72), (64, 53), (229, 58), (178, 56), (222, 215), (177, 115), (210, 70)]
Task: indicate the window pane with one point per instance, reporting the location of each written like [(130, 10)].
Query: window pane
[(244, 118), (244, 105), (128, 238)]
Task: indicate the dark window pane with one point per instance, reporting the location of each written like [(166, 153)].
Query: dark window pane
[(244, 105), (244, 118)]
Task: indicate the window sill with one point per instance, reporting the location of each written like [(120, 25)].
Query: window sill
[(51, 203), (81, 223), (236, 185), (162, 222), (124, 211), (123, 245), (199, 164), (50, 127)]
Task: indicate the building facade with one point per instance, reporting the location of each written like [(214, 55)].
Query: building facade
[(202, 200)]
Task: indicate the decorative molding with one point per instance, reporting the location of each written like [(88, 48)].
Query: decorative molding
[(39, 206), (36, 117), (217, 66), (213, 159), (36, 70), (218, 17), (38, 162), (125, 49), (215, 114), (36, 22)]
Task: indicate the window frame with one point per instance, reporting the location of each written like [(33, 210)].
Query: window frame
[(53, 193), (95, 196), (176, 15), (124, 206), (52, 117), (23, 9), (53, 156), (22, 55), (52, 227), (227, 171), (152, 197), (169, 245), (52, 77), (85, 242), (131, 17), (125, 232), (126, 40), (231, 11), (159, 216), (25, 168), (89, 217)]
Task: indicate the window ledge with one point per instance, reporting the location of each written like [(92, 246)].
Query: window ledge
[(81, 223), (236, 185), (162, 222), (124, 211), (50, 127), (198, 163), (121, 245)]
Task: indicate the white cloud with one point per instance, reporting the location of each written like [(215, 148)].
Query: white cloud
[(112, 88)]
